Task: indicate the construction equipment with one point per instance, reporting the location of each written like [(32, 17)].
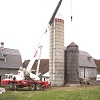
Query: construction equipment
[(25, 77)]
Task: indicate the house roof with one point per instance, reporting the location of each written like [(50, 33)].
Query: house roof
[(86, 60), (12, 58)]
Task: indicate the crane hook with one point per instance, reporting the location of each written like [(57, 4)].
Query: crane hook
[(71, 18)]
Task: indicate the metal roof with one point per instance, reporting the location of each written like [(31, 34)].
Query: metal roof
[(86, 60), (12, 59), (11, 51)]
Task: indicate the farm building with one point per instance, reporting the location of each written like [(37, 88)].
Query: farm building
[(66, 65), (78, 64), (10, 61), (70, 64)]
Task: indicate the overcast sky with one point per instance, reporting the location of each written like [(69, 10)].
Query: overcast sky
[(22, 22)]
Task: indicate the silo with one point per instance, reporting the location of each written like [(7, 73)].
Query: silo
[(56, 52), (71, 63)]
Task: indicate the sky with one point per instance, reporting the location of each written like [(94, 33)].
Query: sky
[(22, 22)]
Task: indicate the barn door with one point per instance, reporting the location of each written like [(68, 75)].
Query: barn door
[(81, 72)]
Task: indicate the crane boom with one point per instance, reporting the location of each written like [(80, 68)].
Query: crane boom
[(28, 69), (55, 12), (38, 64)]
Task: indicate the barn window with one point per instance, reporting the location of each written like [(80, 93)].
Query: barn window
[(2, 57), (89, 58)]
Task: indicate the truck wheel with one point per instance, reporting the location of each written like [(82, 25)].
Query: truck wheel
[(15, 87), (38, 86), (42, 88), (33, 87), (10, 85)]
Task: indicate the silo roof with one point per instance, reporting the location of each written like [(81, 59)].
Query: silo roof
[(72, 44), (59, 15)]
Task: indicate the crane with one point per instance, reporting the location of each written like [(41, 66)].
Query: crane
[(28, 69), (15, 81)]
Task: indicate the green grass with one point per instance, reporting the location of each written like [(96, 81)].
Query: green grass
[(57, 93)]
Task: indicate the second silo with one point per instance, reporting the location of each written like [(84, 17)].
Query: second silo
[(71, 63), (56, 53)]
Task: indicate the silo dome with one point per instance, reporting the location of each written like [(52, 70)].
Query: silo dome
[(59, 15)]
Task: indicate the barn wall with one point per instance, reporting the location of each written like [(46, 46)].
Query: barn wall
[(85, 72)]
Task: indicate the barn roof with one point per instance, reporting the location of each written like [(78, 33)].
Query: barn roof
[(12, 58), (11, 51), (86, 60)]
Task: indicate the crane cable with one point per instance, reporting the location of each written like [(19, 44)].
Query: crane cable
[(71, 10)]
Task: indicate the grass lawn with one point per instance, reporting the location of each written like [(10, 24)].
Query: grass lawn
[(56, 93)]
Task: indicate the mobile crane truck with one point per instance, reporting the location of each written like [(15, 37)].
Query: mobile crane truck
[(33, 81)]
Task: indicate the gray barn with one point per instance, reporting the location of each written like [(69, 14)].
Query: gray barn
[(78, 64), (10, 61), (87, 66)]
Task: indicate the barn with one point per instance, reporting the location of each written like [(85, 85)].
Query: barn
[(78, 64), (10, 61), (87, 66)]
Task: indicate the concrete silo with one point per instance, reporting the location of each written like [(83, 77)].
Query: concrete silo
[(56, 53)]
